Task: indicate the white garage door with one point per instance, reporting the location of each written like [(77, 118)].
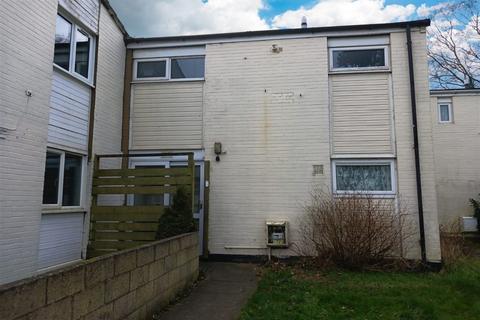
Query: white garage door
[(61, 238)]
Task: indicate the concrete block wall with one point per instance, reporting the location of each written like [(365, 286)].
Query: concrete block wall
[(129, 284)]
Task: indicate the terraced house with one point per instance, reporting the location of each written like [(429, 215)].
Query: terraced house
[(267, 115), (62, 66)]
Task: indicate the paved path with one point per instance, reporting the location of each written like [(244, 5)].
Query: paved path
[(220, 296)]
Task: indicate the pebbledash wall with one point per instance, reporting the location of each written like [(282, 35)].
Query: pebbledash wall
[(131, 284)]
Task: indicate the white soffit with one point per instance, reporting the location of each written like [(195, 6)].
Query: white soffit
[(444, 99), (359, 41), (169, 52)]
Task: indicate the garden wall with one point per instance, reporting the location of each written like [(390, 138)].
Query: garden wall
[(133, 284)]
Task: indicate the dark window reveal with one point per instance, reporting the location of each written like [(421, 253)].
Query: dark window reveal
[(188, 68), (361, 58), (63, 37)]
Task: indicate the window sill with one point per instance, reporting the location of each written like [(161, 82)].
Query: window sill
[(167, 80), (365, 194), (73, 75), (60, 210), (359, 71)]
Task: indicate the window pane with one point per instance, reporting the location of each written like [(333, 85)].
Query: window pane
[(363, 177), (188, 68), (444, 113), (82, 53), (358, 58), (72, 180), (63, 35), (52, 174), (149, 199), (151, 69)]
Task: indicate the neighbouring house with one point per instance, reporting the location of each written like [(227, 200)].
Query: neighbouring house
[(62, 69), (268, 115), (456, 146)]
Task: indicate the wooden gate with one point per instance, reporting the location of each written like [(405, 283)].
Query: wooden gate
[(116, 223)]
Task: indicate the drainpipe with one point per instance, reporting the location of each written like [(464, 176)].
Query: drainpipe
[(418, 173)]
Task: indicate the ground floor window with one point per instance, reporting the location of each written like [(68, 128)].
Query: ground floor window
[(368, 176), (63, 179)]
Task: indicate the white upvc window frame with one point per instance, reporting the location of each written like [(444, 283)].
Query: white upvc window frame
[(450, 112), (386, 52), (168, 71), (364, 162), (61, 176), (73, 47)]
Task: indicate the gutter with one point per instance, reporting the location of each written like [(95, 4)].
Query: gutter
[(277, 32), (418, 172)]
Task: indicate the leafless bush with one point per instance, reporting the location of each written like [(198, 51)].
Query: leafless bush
[(452, 242), (354, 231)]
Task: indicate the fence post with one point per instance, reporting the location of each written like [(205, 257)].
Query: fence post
[(191, 166), (96, 166)]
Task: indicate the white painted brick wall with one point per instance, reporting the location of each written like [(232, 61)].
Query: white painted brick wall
[(271, 115), (27, 31), (109, 94), (404, 137)]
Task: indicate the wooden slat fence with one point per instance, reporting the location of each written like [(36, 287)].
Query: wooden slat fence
[(118, 227)]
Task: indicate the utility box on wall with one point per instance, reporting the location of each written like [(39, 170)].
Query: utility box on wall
[(277, 235)]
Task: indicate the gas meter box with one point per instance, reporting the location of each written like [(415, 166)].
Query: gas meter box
[(277, 236)]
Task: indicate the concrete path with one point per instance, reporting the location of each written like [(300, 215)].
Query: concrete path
[(220, 296)]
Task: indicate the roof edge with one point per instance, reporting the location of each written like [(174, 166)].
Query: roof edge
[(115, 18), (375, 26), (435, 92)]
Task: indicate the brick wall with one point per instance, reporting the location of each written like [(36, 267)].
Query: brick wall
[(131, 284)]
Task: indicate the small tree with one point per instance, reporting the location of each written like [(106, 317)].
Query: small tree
[(178, 218), (355, 231), (476, 211)]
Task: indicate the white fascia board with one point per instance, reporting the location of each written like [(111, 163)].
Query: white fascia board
[(227, 39)]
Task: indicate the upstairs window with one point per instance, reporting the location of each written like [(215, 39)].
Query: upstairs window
[(156, 69), (63, 40), (184, 68), (445, 112), (188, 68), (359, 58), (82, 53), (73, 49)]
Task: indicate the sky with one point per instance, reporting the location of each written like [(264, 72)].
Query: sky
[(149, 18)]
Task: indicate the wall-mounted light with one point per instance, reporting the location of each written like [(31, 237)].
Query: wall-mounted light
[(217, 148)]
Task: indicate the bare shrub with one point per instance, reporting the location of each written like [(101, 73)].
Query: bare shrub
[(355, 231), (452, 242)]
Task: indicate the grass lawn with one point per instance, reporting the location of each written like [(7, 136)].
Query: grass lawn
[(284, 294)]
